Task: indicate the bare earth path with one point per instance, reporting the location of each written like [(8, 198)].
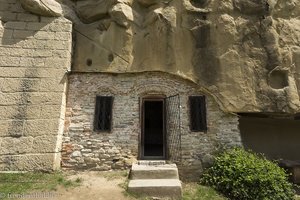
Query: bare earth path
[(94, 186)]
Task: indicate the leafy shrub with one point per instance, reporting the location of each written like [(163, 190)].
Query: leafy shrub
[(243, 175)]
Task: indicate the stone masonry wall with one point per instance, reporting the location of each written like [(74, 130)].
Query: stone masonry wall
[(85, 149), (35, 53)]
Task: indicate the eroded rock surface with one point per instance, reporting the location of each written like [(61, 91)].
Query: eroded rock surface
[(43, 7), (243, 52)]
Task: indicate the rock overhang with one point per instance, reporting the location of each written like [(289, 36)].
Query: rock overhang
[(245, 53)]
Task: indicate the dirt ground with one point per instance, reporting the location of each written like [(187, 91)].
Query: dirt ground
[(95, 186)]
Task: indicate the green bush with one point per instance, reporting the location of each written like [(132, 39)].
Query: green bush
[(241, 175)]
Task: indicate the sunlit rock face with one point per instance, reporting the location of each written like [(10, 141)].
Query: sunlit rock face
[(43, 7), (245, 53)]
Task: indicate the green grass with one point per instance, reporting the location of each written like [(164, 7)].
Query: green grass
[(18, 183), (194, 191)]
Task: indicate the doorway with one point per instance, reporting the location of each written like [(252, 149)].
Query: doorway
[(153, 142)]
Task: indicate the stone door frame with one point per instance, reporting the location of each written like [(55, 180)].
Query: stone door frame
[(142, 117)]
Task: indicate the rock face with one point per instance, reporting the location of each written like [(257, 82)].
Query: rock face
[(43, 7), (243, 52), (243, 55)]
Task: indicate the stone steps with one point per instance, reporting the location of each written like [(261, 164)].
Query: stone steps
[(155, 179), (167, 171), (156, 187), (151, 162)]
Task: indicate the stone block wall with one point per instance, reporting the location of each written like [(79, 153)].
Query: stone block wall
[(85, 149), (35, 53)]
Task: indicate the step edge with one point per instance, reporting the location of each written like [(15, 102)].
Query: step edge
[(155, 182)]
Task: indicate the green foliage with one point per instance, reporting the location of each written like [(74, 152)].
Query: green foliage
[(243, 175)]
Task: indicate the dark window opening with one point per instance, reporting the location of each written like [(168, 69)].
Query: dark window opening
[(197, 113), (103, 113)]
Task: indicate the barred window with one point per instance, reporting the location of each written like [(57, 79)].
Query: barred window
[(197, 113), (103, 113)]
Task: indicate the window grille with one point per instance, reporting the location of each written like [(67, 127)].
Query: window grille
[(103, 113), (197, 113)]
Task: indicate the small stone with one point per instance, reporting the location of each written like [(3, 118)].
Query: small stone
[(104, 156), (76, 154), (101, 151), (86, 150), (87, 154)]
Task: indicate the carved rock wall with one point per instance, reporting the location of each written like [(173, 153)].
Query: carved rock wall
[(244, 52)]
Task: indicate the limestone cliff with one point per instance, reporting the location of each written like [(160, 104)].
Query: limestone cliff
[(246, 53)]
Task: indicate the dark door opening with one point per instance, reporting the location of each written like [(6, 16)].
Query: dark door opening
[(153, 137)]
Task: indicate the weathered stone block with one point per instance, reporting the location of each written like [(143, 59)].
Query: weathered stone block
[(37, 26), (42, 162), (50, 111), (41, 127), (27, 62), (27, 17), (15, 25), (9, 61), (51, 85), (8, 16), (11, 128), (10, 99), (19, 85), (4, 6), (15, 146), (49, 98), (63, 36), (61, 27), (7, 34), (19, 112), (45, 35), (44, 144), (57, 63)]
